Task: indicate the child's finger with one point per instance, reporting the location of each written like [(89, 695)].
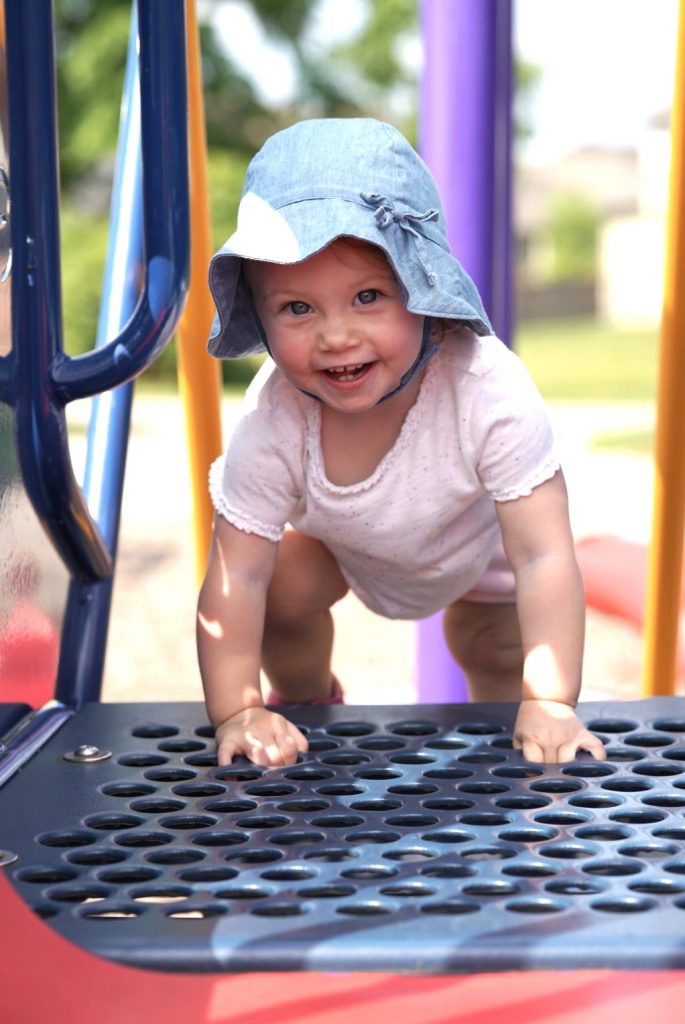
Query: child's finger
[(290, 741), (226, 752), (300, 739), (593, 745), (533, 751)]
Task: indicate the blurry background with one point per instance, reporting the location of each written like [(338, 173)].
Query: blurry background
[(593, 92)]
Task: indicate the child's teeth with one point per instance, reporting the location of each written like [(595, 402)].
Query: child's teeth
[(345, 373)]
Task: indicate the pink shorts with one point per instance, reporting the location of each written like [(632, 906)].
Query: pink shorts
[(497, 585)]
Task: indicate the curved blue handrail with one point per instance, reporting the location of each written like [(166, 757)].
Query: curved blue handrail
[(38, 377)]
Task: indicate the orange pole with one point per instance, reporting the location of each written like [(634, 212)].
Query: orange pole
[(199, 375), (666, 549)]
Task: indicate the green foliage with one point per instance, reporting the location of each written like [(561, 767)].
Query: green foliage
[(284, 20), (92, 40), (8, 459), (527, 79), (375, 53), (226, 174), (571, 230), (84, 244)]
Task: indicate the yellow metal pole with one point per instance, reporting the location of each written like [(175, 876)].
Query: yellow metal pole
[(199, 376), (666, 549)]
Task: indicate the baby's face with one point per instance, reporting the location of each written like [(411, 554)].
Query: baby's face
[(336, 323)]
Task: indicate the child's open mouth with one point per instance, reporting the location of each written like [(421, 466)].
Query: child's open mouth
[(345, 374)]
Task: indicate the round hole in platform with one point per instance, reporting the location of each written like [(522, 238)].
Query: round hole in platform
[(303, 804), (613, 868), (374, 836), (154, 731), (157, 805), (188, 822), (175, 855), (96, 855), (224, 837), (141, 759), (369, 908), (296, 837), (350, 729), (623, 905), (604, 833), (279, 910), (258, 856), (259, 821), (170, 774), (449, 835), (612, 725), (208, 873), (289, 873), (563, 818), (227, 805), (68, 839), (143, 839), (416, 728), (127, 790), (529, 869), (535, 905), (450, 907)]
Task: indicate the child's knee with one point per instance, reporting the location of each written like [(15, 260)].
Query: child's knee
[(485, 638)]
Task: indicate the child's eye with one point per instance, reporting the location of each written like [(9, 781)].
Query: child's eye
[(368, 296), (298, 308)]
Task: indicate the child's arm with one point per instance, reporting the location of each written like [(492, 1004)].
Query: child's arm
[(230, 623), (551, 608)]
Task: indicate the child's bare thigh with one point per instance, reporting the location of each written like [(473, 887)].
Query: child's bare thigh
[(486, 641), (306, 580)]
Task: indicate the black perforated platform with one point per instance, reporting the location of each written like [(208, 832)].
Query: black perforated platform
[(409, 839)]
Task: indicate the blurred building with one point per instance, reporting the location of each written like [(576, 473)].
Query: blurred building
[(631, 246), (626, 191)]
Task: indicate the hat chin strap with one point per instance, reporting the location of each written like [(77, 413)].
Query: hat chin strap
[(426, 352)]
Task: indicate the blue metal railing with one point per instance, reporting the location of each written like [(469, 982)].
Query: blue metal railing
[(145, 287)]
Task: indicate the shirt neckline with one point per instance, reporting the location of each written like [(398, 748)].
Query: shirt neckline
[(408, 428)]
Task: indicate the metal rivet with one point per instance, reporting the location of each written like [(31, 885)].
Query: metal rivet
[(7, 858), (87, 753)]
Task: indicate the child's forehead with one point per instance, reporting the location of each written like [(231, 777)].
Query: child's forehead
[(353, 253)]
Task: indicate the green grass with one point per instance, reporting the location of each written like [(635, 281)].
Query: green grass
[(633, 442), (584, 361)]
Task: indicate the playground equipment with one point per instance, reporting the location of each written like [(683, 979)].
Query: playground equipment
[(477, 201), (411, 841)]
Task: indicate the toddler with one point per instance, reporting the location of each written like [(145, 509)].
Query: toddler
[(391, 445)]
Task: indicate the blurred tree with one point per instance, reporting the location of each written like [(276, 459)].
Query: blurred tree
[(527, 78), (91, 41), (571, 234)]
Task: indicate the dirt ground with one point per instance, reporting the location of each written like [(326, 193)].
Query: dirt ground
[(152, 651)]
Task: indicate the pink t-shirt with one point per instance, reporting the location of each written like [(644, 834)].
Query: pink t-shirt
[(421, 531)]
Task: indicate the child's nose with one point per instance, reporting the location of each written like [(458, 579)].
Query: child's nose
[(336, 335)]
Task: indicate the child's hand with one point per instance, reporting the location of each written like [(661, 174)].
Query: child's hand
[(262, 736), (548, 731)]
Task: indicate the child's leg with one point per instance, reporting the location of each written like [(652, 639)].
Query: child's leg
[(298, 628), (486, 641)]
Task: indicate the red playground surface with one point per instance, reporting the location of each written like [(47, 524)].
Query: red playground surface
[(44, 978)]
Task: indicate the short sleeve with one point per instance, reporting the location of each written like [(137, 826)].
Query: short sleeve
[(257, 482), (516, 447)]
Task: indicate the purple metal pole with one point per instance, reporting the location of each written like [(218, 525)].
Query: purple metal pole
[(465, 138)]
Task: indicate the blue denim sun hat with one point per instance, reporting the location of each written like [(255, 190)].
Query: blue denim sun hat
[(322, 179)]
